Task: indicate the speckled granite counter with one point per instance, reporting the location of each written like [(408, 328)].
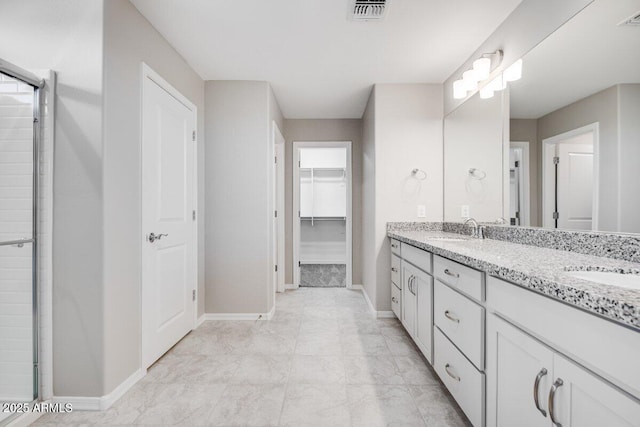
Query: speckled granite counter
[(540, 269)]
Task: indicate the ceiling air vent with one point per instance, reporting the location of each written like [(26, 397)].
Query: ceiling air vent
[(368, 10), (633, 20)]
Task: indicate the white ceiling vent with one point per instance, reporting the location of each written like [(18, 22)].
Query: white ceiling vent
[(368, 10), (633, 20)]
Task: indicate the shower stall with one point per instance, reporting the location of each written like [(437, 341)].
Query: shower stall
[(19, 198)]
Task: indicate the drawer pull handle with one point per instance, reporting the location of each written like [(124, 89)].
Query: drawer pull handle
[(536, 384), (448, 315), (455, 377), (394, 270), (393, 299), (556, 385), (412, 281), (450, 273), (394, 246)]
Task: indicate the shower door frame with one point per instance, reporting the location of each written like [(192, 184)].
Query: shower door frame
[(37, 84), (297, 145)]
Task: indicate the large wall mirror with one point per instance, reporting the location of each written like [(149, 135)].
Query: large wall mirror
[(574, 151)]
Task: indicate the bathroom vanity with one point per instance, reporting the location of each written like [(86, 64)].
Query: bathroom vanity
[(515, 332)]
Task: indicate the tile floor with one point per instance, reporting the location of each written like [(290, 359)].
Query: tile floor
[(321, 361)]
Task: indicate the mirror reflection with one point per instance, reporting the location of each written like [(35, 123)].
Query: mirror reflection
[(575, 125)]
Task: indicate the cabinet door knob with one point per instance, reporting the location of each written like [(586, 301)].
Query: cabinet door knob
[(536, 385), (448, 315), (556, 385), (455, 377)]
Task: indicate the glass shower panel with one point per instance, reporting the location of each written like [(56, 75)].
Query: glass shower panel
[(17, 299)]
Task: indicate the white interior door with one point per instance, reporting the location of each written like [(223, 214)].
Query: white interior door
[(575, 185), (168, 207), (278, 223)]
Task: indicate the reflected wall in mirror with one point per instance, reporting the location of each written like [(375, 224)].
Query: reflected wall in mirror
[(474, 155), (575, 125)]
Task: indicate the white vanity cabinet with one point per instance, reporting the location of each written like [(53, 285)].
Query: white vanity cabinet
[(534, 381)]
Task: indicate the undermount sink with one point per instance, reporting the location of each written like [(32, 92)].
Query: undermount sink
[(628, 281)]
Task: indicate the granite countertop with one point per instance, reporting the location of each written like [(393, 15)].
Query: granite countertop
[(540, 269)]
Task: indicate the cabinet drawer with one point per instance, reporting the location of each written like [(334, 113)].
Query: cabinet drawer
[(395, 271), (462, 321), (417, 257), (395, 246), (458, 276), (465, 383), (396, 300)]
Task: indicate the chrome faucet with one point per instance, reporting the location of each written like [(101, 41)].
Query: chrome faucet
[(477, 231)]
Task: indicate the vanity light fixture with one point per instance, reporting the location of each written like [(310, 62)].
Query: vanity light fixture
[(514, 72), (480, 71)]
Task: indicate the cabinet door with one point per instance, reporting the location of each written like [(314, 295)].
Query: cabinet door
[(517, 365), (424, 315), (584, 400), (409, 296)]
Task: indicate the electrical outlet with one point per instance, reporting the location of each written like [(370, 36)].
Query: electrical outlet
[(422, 211), (464, 212)]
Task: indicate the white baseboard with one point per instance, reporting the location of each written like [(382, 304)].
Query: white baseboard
[(102, 403), (357, 287), (238, 316), (376, 314), (290, 287), (200, 321)]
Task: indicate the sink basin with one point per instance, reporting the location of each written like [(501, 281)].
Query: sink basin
[(628, 281)]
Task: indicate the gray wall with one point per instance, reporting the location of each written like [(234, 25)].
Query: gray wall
[(239, 165), (527, 130), (324, 130), (129, 39), (601, 107), (70, 44), (629, 157), (402, 130)]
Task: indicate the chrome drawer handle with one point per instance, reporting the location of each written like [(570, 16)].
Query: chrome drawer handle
[(556, 385), (393, 299), (450, 273), (394, 246), (455, 377), (536, 385), (448, 315), (394, 270)]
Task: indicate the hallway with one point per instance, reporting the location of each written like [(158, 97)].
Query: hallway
[(321, 361)]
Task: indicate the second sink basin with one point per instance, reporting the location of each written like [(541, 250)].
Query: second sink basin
[(628, 281)]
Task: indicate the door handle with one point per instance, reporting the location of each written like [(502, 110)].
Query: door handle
[(452, 375), (450, 273), (448, 315), (153, 237), (552, 394), (536, 385)]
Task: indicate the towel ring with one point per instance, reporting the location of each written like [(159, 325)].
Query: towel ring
[(419, 174), (477, 174)]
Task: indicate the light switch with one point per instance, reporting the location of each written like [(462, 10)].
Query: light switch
[(422, 211), (464, 212)]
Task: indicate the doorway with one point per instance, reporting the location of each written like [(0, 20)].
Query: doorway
[(322, 226), (278, 203), (570, 174), (169, 241), (519, 203)]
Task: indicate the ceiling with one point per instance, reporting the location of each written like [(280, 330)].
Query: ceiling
[(586, 55), (321, 64)]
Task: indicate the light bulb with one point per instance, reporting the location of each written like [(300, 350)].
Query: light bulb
[(514, 72), (497, 84), (482, 68), (469, 79), (486, 92), (459, 91)]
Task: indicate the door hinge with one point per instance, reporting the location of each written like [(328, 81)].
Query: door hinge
[(298, 214), (193, 215), (556, 160), (298, 163), (299, 264), (556, 215), (517, 164), (193, 295), (275, 214), (275, 159), (276, 268), (193, 136)]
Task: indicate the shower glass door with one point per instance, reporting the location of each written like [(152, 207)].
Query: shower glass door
[(18, 196)]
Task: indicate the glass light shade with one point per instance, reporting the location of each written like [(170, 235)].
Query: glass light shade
[(486, 92), (482, 68), (459, 91), (497, 84), (514, 72), (469, 79)]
